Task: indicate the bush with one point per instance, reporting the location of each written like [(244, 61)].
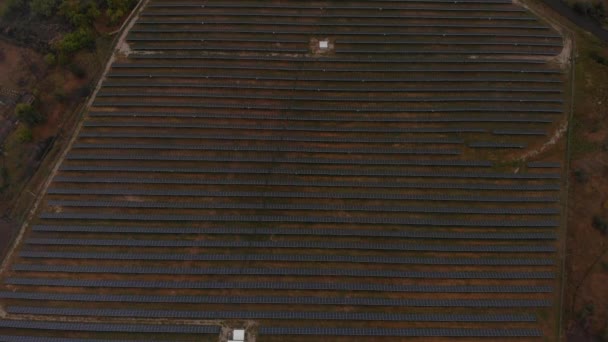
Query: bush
[(77, 70), (595, 9), (44, 8), (117, 9), (50, 59), (14, 7), (587, 312), (60, 95), (600, 224), (580, 176), (28, 114), (74, 41), (24, 134), (79, 13), (598, 58), (84, 91)]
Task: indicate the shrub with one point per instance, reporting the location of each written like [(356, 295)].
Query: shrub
[(586, 312), (598, 58), (60, 95), (580, 176), (24, 134), (44, 8), (14, 7), (50, 59), (600, 224), (77, 70), (77, 40), (28, 114), (79, 13), (117, 9), (84, 91)]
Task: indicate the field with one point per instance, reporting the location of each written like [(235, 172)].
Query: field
[(406, 182)]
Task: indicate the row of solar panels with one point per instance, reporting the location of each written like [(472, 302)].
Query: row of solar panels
[(494, 248), (274, 137), (327, 89), (331, 7), (203, 13), (329, 118), (342, 79), (191, 329), (361, 150), (105, 327), (341, 50), (383, 44), (339, 24), (546, 36), (317, 108), (295, 182), (264, 285), (318, 172), (197, 299), (290, 127), (320, 207), (286, 160), (495, 144), (144, 95), (301, 219), (352, 316), (296, 68), (415, 234), (402, 332), (285, 257), (301, 194), (337, 59)]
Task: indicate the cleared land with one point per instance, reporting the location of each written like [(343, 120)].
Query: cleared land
[(231, 174)]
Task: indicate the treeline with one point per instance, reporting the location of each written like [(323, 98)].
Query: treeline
[(76, 19), (595, 9)]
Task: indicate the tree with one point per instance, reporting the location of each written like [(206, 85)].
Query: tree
[(28, 114), (44, 8), (77, 40)]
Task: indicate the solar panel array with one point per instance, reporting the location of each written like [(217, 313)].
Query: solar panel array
[(232, 173)]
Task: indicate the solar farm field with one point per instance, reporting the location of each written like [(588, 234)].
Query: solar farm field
[(399, 184)]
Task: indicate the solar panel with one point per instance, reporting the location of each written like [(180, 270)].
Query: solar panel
[(337, 24), (324, 69), (293, 244), (328, 98), (404, 332), (288, 128), (341, 286), (298, 182), (284, 257), (113, 327), (295, 194), (492, 144), (332, 16), (359, 301), (271, 159), (289, 315), (302, 172), (541, 164), (337, 59), (340, 79), (360, 150), (417, 234), (274, 137), (316, 207), (325, 88)]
